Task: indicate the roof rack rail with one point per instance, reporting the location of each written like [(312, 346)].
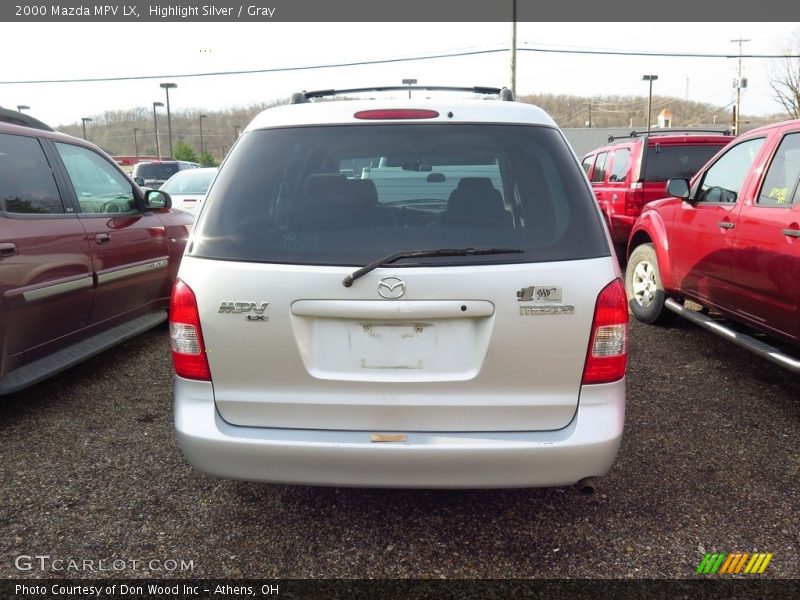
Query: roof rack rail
[(504, 93), (635, 133)]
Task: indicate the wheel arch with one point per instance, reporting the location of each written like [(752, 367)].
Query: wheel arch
[(649, 229)]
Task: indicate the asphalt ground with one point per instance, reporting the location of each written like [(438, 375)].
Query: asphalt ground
[(90, 471)]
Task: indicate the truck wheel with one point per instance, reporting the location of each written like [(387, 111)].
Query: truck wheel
[(644, 288)]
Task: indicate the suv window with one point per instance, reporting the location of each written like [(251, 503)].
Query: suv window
[(26, 181), (155, 170), (99, 187), (587, 163), (622, 160), (599, 173), (433, 186), (666, 161), (781, 181), (723, 180)]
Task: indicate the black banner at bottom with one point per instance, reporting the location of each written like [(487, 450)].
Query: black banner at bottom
[(405, 589)]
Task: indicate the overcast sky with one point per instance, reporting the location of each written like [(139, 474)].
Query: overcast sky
[(166, 50)]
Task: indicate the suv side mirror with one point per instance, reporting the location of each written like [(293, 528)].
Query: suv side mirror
[(678, 188), (155, 199), (139, 180)]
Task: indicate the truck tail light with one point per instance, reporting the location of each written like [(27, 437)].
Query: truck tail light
[(608, 346), (186, 336), (634, 199)]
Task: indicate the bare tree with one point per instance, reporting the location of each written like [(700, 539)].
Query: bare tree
[(785, 82)]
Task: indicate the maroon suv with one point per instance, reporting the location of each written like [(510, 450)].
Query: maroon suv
[(87, 259), (632, 171)]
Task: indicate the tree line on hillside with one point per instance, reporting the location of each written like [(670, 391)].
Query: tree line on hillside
[(131, 132)]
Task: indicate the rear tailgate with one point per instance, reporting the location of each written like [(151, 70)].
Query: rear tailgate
[(310, 353)]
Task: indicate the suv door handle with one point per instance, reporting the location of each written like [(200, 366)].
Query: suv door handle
[(726, 224), (102, 238), (7, 249), (792, 232)]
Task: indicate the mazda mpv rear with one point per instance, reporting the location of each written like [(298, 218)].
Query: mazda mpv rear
[(400, 293)]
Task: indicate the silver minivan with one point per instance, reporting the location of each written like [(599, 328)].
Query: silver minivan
[(400, 293)]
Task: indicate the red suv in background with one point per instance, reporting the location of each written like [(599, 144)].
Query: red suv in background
[(87, 258), (729, 242), (627, 174)]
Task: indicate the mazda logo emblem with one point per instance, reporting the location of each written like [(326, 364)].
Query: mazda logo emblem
[(391, 288)]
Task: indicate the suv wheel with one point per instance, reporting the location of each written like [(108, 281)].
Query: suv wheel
[(644, 288)]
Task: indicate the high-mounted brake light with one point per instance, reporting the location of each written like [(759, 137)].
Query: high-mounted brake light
[(608, 348), (396, 113), (186, 337)]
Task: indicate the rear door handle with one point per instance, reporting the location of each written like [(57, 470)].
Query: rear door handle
[(102, 238), (726, 224), (792, 232), (7, 249)]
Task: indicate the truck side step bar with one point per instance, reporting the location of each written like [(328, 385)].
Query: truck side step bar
[(763, 349)]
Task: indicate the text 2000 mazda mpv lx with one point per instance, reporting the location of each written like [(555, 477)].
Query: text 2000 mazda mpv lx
[(400, 293)]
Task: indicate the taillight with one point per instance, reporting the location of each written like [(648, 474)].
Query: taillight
[(397, 113), (634, 199), (186, 337), (608, 347)]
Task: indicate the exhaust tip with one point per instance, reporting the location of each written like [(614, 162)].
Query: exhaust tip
[(587, 485)]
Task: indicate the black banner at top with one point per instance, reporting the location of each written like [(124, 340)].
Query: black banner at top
[(607, 12)]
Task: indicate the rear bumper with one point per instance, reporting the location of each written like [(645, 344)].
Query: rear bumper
[(587, 447)]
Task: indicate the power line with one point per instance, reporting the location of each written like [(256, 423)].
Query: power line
[(399, 60)]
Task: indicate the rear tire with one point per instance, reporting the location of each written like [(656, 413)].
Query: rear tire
[(644, 287)]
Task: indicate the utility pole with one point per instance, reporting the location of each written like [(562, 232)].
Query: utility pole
[(514, 47), (737, 114)]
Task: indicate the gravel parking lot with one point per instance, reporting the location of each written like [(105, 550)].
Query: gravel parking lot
[(91, 471)]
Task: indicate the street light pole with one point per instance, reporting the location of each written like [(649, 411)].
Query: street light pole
[(85, 120), (167, 87), (202, 152), (21, 107), (155, 125), (651, 79), (136, 143)]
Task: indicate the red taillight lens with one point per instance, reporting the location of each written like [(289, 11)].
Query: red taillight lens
[(397, 113), (186, 337), (608, 347), (634, 199)]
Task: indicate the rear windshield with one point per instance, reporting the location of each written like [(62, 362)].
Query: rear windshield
[(347, 195), (670, 161), (155, 170), (189, 182)]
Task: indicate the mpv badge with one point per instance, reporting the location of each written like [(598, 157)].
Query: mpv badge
[(391, 288)]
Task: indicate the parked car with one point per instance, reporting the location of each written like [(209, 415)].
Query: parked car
[(87, 259), (632, 171), (188, 188), (153, 174), (325, 331), (729, 242)]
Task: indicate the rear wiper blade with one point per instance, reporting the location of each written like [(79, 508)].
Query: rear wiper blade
[(348, 281)]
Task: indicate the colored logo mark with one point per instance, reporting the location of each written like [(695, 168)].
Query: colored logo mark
[(730, 564)]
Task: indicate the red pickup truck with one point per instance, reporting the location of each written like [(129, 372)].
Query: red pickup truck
[(729, 241), (633, 170)]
